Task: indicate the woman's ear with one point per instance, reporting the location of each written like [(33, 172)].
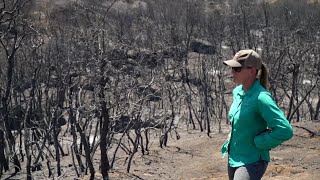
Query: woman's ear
[(254, 72)]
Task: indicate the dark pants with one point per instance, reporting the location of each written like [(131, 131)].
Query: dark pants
[(252, 171)]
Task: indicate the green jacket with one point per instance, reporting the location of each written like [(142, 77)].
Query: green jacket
[(250, 114)]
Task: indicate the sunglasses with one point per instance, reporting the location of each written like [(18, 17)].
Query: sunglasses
[(238, 69)]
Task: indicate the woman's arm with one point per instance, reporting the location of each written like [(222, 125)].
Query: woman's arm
[(280, 128)]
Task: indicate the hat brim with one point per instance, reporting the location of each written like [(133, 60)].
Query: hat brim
[(232, 63)]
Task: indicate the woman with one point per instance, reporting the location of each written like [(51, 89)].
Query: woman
[(257, 123)]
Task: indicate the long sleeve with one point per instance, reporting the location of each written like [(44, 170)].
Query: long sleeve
[(281, 130)]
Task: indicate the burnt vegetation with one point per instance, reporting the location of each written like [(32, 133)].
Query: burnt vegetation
[(79, 77)]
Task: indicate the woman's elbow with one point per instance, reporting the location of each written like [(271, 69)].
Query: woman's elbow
[(289, 133)]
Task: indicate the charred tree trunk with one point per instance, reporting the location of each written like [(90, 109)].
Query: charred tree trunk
[(5, 103), (73, 130), (56, 142), (167, 127), (135, 148), (3, 160), (27, 144), (206, 95), (84, 139), (104, 126), (188, 99), (295, 73)]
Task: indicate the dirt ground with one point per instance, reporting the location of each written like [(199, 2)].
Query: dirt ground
[(197, 156)]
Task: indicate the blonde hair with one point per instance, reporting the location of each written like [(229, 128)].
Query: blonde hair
[(262, 75)]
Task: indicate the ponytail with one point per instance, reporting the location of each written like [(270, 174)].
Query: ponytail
[(263, 76)]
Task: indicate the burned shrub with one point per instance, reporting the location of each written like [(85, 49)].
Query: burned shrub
[(151, 93), (202, 47)]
